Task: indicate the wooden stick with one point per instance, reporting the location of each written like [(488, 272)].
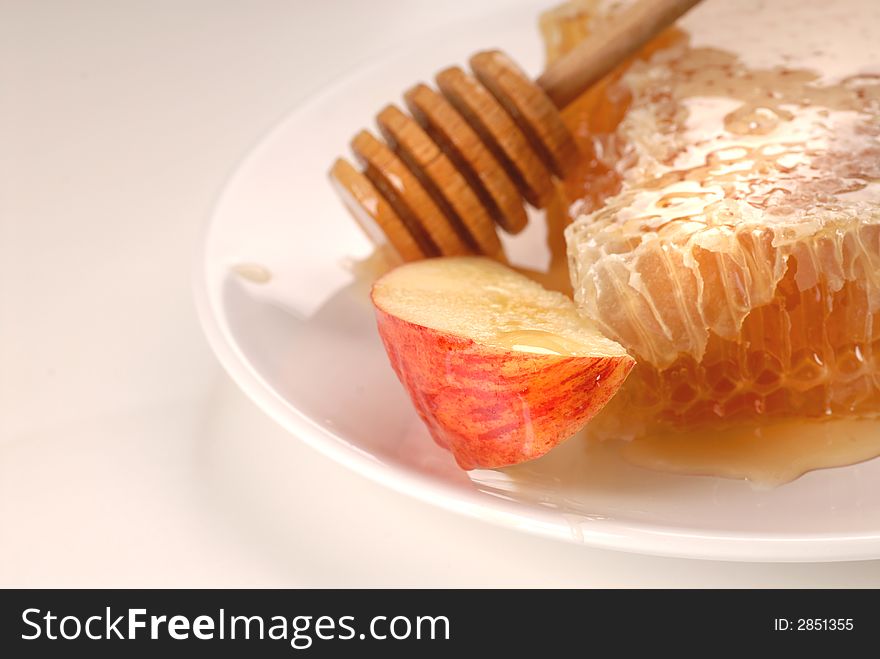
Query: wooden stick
[(599, 53)]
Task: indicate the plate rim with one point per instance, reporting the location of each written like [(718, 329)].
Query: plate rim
[(639, 538)]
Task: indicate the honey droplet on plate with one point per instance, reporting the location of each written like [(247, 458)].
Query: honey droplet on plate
[(253, 272), (767, 455)]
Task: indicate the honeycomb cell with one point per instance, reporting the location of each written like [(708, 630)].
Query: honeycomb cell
[(850, 362), (683, 395), (808, 369), (723, 387)]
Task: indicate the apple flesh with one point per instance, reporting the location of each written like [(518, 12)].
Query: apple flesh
[(499, 368)]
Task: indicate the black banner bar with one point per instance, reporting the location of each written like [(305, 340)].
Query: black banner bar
[(288, 623)]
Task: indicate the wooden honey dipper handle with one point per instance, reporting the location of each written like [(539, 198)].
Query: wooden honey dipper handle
[(574, 73), (466, 158)]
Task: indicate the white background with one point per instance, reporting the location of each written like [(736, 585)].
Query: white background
[(127, 457)]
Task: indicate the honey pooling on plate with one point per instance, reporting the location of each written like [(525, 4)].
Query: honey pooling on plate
[(732, 238)]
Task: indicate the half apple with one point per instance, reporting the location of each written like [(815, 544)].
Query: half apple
[(500, 369)]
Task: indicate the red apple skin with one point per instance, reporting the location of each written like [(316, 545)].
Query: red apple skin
[(493, 407)]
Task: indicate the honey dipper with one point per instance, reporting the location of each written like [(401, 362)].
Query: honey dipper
[(469, 156)]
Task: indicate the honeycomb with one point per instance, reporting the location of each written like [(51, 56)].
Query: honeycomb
[(731, 240)]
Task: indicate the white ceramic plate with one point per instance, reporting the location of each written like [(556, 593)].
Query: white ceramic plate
[(304, 346)]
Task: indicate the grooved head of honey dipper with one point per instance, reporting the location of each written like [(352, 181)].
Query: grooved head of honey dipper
[(499, 132), (461, 143), (530, 107), (441, 179), (373, 213)]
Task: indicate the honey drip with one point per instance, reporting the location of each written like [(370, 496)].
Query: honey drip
[(767, 455), (539, 342)]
